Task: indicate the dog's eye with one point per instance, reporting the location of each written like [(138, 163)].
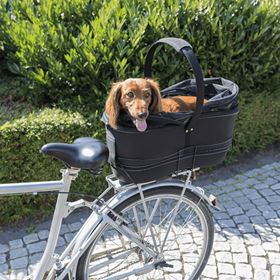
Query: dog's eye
[(130, 94), (147, 94)]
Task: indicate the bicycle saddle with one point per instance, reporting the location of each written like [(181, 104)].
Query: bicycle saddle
[(84, 153)]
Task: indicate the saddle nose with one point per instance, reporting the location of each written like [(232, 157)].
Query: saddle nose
[(143, 115)]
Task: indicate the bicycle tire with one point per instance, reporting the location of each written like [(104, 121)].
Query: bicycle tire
[(171, 192)]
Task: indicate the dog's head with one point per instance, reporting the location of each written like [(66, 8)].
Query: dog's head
[(138, 97)]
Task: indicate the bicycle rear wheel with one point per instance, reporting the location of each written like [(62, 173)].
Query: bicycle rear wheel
[(184, 241)]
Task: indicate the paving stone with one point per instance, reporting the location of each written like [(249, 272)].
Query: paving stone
[(31, 238), (252, 239), (2, 258), (274, 222), (217, 228), (263, 228), (267, 237), (236, 194), (226, 223), (75, 226), (251, 182), (60, 241), (256, 250), (276, 230), (36, 247), (225, 268), (247, 206), (235, 211), (230, 205), (238, 247), (3, 248), (241, 200), (275, 205), (258, 220), (253, 212), (276, 186), (43, 234), (235, 239), (220, 183), (270, 181), (64, 229), (240, 177), (69, 236), (273, 198), (241, 219), (219, 237), (210, 271), (212, 260), (35, 258), (246, 228), (274, 258), (4, 269), (14, 244), (251, 193), (259, 262), (240, 257), (259, 202), (260, 186), (275, 270), (243, 270), (253, 172), (31, 268), (221, 246), (17, 253), (228, 277), (261, 274), (221, 215), (231, 232), (19, 263), (18, 274), (271, 246), (223, 257), (267, 192)]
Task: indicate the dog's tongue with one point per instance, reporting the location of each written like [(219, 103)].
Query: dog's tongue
[(141, 125)]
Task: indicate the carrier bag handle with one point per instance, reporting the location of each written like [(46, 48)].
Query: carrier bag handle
[(186, 49)]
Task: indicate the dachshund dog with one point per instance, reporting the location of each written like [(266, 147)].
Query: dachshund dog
[(139, 97)]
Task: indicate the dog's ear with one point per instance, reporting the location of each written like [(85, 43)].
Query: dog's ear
[(156, 97), (112, 106)]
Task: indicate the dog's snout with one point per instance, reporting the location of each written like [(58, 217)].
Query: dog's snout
[(143, 115)]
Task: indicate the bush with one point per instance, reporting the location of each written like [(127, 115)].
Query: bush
[(72, 50), (258, 123), (20, 142)]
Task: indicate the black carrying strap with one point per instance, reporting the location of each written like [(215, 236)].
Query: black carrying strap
[(185, 48)]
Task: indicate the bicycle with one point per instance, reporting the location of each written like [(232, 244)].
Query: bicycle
[(141, 231)]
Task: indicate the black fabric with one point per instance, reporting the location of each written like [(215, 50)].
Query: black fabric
[(186, 49), (85, 153)]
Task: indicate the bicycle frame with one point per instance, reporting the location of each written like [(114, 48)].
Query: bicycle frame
[(99, 217)]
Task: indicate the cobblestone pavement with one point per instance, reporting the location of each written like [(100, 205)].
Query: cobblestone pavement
[(247, 237)]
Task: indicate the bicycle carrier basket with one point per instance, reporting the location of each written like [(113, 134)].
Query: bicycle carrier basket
[(175, 142)]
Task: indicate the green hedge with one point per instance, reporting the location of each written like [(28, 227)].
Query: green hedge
[(21, 161), (258, 125), (72, 50)]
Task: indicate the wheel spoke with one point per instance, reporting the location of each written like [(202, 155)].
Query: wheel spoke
[(173, 223)]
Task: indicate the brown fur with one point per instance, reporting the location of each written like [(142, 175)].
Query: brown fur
[(141, 96)]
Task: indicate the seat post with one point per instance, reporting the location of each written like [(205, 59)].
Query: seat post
[(47, 260)]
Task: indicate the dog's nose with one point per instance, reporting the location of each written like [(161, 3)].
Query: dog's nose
[(143, 115)]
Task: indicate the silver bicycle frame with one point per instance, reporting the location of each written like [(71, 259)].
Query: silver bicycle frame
[(81, 241)]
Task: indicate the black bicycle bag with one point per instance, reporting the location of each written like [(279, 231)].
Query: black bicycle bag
[(178, 141)]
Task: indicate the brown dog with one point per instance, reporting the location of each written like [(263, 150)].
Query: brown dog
[(139, 97)]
